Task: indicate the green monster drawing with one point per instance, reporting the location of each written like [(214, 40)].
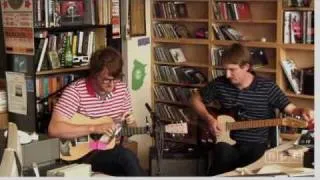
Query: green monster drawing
[(138, 74)]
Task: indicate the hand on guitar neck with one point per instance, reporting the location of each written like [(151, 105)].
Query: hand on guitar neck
[(103, 128)]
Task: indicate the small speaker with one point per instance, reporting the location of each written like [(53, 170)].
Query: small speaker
[(178, 164)]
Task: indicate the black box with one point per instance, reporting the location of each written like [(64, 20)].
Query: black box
[(308, 81)]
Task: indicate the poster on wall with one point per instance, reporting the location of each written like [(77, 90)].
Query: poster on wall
[(138, 74), (17, 93), (17, 19)]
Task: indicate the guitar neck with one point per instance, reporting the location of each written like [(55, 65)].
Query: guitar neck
[(253, 124), (129, 131)]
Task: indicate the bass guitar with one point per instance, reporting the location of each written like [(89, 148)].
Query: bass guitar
[(71, 150)]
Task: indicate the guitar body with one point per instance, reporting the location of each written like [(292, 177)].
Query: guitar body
[(207, 138), (224, 136), (79, 149), (70, 151)]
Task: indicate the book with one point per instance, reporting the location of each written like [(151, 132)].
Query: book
[(181, 9), (177, 55), (54, 59), (89, 16), (72, 12), (289, 68), (42, 56), (296, 29), (286, 27), (243, 11)]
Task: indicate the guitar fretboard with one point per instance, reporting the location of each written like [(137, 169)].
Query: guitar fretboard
[(129, 131), (253, 124)]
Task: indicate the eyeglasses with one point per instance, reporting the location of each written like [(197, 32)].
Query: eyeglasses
[(108, 80), (105, 80)]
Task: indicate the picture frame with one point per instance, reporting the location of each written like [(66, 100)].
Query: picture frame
[(137, 17)]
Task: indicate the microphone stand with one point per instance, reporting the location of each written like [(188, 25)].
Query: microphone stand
[(158, 134)]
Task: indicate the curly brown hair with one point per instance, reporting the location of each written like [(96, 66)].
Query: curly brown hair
[(108, 58)]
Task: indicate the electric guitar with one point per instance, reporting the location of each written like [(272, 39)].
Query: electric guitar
[(227, 123), (71, 150)]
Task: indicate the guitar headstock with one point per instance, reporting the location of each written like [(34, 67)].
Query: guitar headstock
[(177, 128), (294, 122)]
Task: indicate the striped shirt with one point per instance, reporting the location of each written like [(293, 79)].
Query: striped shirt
[(79, 97), (258, 101)]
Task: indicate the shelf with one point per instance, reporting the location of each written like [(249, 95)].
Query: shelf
[(71, 28), (183, 0), (182, 41), (251, 21), (173, 103), (180, 84), (309, 47), (300, 96), (245, 43), (185, 64), (298, 9), (256, 69), (62, 70), (191, 20), (264, 1), (264, 70)]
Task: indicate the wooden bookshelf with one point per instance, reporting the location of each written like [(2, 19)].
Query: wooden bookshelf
[(182, 41), (180, 84), (62, 70), (246, 43), (184, 64), (247, 21), (50, 29), (301, 53), (263, 30), (193, 20), (71, 28)]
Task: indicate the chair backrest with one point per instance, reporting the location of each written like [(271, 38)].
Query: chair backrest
[(14, 141)]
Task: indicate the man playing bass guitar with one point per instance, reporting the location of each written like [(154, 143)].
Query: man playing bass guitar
[(254, 97)]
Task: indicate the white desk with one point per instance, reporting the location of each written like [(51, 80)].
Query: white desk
[(275, 155)]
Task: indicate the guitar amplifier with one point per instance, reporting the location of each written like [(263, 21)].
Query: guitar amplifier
[(178, 164)]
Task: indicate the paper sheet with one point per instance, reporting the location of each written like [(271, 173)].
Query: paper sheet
[(17, 94)]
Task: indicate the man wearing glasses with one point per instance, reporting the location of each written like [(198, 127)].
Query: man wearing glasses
[(100, 94)]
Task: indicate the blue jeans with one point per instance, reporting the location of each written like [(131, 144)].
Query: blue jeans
[(118, 161)]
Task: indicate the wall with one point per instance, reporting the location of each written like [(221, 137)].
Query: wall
[(131, 52)]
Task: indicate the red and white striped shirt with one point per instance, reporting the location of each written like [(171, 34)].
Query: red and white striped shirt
[(79, 97)]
